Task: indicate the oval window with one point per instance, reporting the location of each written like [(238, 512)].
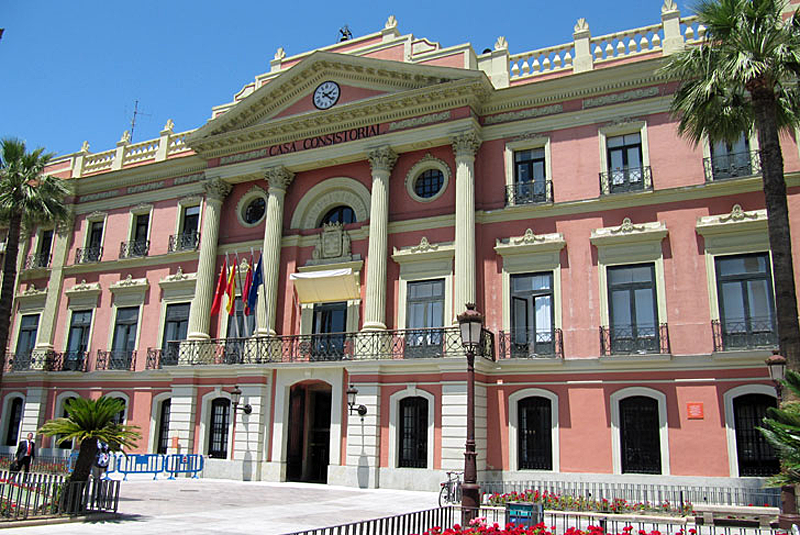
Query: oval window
[(254, 211), (429, 183)]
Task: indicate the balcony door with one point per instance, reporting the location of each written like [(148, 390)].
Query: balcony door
[(424, 318), (633, 311), (532, 314), (78, 341), (330, 323)]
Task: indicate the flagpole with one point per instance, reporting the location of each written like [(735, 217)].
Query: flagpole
[(239, 276), (233, 305)]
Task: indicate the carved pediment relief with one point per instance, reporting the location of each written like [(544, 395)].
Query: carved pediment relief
[(333, 246)]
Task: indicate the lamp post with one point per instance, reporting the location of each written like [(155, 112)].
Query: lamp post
[(471, 325), (776, 364), (236, 397)]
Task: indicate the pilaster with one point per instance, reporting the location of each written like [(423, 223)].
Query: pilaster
[(381, 161), (465, 147), (279, 179), (363, 441), (251, 430), (199, 317), (34, 411), (183, 407)]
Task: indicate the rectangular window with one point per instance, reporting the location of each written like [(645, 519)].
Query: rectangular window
[(746, 309), (633, 312), (191, 219), (218, 430), (625, 168), (730, 160), (124, 342), (530, 177), (329, 318), (176, 323), (424, 318), (26, 340), (96, 234), (139, 245), (78, 340), (532, 315)]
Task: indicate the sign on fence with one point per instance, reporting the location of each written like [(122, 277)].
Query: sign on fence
[(145, 463), (184, 464), (524, 513)]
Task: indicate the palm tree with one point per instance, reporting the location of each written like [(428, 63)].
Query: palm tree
[(782, 431), (27, 197), (744, 73), (87, 421)]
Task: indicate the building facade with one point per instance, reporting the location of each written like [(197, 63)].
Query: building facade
[(384, 182)]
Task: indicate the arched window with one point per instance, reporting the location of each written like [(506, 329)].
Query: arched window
[(756, 457), (162, 442), (535, 448), (65, 444), (14, 421), (119, 418), (413, 433), (218, 430), (639, 435), (341, 214)]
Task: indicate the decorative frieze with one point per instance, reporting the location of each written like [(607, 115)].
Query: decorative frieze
[(616, 98), (98, 196), (524, 114), (278, 177), (382, 159), (189, 178), (419, 121), (146, 187)]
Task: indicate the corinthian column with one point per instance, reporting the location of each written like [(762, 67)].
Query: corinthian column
[(381, 161), (279, 179), (465, 146), (199, 316)]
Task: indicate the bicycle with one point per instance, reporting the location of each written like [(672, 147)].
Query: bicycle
[(451, 489)]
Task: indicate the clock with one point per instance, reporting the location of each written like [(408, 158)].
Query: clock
[(326, 95)]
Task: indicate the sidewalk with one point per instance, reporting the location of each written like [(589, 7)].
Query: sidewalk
[(206, 506)]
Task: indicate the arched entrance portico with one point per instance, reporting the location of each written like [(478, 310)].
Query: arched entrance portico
[(309, 432)]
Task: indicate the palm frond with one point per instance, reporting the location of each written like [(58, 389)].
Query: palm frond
[(93, 419)]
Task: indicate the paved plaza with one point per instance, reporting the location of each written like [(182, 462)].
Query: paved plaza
[(206, 506)]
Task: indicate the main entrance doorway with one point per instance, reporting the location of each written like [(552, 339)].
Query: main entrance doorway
[(309, 435)]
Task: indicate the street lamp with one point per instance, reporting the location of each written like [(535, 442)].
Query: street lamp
[(471, 325), (352, 392), (236, 397), (776, 365)]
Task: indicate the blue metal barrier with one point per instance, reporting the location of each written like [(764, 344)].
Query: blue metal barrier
[(73, 459), (140, 463), (184, 464)]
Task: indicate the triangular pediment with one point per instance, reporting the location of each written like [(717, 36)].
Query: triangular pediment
[(286, 102)]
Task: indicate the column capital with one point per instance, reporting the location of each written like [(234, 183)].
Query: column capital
[(382, 159), (278, 177), (466, 143), (216, 189)]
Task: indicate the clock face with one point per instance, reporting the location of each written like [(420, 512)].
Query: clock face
[(326, 95)]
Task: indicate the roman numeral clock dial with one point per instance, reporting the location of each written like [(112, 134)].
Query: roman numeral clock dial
[(326, 95)]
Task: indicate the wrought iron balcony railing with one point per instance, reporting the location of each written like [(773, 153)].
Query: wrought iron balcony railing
[(634, 339), (157, 358), (375, 345), (186, 241), (17, 362), (732, 165), (537, 191), (134, 248), (68, 361), (38, 261), (754, 333), (527, 343), (87, 255), (625, 180), (116, 359)]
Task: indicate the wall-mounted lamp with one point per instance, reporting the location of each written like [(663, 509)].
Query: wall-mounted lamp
[(352, 392), (236, 397)]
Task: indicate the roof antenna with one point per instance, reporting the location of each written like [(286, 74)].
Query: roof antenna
[(344, 34), (135, 113)]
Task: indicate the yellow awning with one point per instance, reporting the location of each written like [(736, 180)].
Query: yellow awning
[(325, 286)]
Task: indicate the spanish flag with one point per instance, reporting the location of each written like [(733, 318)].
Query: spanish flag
[(220, 291), (230, 291)]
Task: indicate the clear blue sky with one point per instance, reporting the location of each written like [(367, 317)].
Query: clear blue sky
[(71, 71)]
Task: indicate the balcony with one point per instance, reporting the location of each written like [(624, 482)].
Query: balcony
[(377, 345), (17, 362), (38, 261), (734, 165), (529, 344), (186, 241), (634, 340), (755, 333), (535, 192), (158, 358), (88, 255), (68, 361), (626, 180), (116, 359), (134, 248)]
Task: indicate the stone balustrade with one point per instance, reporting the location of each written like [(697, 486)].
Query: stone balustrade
[(627, 43), (542, 61)]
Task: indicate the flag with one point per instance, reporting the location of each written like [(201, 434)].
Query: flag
[(230, 291), (220, 291), (248, 280), (258, 280)]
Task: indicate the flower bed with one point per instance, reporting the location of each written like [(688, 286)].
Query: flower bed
[(557, 502), (480, 527)]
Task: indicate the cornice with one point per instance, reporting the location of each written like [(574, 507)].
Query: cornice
[(31, 293), (84, 289), (737, 221), (179, 279), (141, 174), (424, 252), (530, 243), (129, 284), (628, 232)]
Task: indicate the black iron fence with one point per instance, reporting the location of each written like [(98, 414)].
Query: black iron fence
[(134, 248), (626, 179), (68, 361), (24, 496), (49, 361), (37, 261), (116, 359), (42, 464), (417, 522), (732, 165), (751, 333), (537, 191), (87, 255), (185, 241), (375, 345), (527, 343), (634, 339)]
